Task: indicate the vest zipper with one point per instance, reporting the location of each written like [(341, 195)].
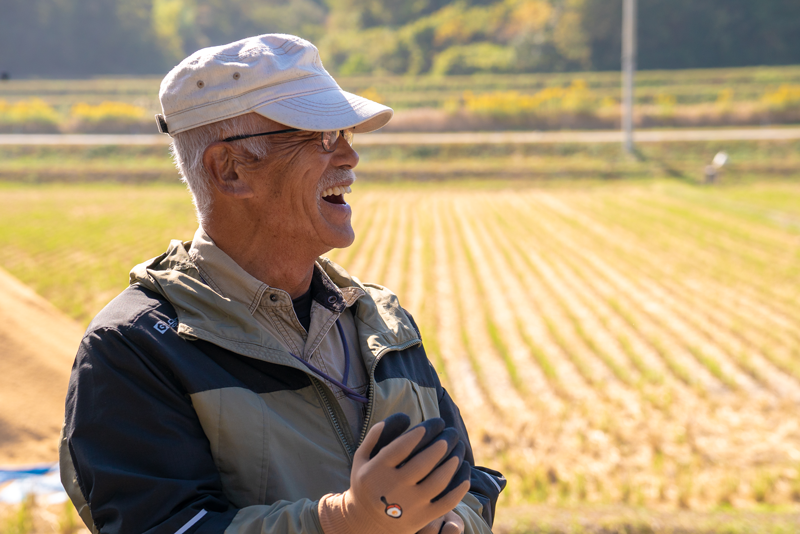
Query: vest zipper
[(380, 355), (332, 414), (321, 390)]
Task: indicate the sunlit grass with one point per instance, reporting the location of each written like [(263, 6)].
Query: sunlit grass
[(645, 329), (74, 244)]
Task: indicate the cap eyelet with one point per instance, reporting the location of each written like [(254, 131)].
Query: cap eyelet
[(236, 75), (201, 84)]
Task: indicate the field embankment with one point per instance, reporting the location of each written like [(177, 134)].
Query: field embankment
[(37, 347)]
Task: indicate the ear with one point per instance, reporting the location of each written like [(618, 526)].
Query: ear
[(225, 163)]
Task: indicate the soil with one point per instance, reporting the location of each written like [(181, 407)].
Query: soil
[(37, 348)]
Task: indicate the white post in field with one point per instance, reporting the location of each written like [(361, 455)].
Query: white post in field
[(628, 69)]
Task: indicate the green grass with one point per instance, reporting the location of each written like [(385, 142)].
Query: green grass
[(21, 520), (749, 160), (74, 244)]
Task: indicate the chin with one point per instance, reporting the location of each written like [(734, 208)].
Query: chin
[(336, 238), (344, 239)]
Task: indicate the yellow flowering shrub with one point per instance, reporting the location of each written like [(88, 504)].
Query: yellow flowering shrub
[(784, 98), (666, 105), (108, 111), (725, 97), (371, 94), (35, 110), (576, 98), (724, 103), (609, 102)]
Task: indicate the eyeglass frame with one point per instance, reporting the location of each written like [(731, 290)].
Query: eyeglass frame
[(339, 133)]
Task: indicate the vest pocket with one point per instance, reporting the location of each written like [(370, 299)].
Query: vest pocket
[(403, 395), (236, 422), (427, 400)]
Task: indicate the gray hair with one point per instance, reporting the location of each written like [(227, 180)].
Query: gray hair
[(187, 150)]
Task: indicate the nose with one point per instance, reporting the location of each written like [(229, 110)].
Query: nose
[(344, 156)]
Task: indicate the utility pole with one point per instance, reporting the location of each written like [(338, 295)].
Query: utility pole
[(628, 69)]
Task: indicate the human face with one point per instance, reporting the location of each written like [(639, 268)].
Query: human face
[(301, 189)]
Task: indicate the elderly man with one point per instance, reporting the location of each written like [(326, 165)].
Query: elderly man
[(244, 383)]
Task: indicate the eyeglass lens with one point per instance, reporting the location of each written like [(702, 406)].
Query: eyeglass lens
[(330, 138)]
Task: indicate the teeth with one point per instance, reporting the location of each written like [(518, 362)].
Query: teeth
[(337, 190)]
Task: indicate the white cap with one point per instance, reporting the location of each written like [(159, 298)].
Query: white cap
[(278, 76)]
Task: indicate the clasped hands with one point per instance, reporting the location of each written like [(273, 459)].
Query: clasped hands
[(402, 482)]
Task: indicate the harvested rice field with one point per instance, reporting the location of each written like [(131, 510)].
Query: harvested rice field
[(607, 342)]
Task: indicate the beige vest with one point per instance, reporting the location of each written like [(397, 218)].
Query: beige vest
[(321, 346)]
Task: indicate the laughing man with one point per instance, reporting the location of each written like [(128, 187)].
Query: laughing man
[(244, 383)]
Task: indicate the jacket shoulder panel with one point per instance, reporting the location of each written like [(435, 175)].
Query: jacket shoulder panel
[(148, 321), (411, 364), (129, 307)]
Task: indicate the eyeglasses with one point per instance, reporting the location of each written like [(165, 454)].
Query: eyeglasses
[(329, 139)]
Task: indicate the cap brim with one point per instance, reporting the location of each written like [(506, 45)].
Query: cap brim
[(332, 109)]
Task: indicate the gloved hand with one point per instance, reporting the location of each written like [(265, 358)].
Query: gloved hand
[(402, 487), (449, 523), (435, 430)]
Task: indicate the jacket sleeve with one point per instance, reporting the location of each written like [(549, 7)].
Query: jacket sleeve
[(134, 457), (478, 506)]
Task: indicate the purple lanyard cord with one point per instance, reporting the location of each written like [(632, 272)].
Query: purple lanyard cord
[(348, 392)]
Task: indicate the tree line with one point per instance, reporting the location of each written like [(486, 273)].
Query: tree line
[(80, 38)]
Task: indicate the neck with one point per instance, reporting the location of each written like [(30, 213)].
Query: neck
[(268, 256)]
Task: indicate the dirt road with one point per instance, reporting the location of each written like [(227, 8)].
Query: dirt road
[(37, 346), (456, 138)]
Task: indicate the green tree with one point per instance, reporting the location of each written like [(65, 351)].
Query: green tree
[(78, 38), (691, 34), (173, 23), (66, 38), (222, 21)]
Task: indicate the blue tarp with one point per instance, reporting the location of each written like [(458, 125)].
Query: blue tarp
[(42, 481), (13, 474)]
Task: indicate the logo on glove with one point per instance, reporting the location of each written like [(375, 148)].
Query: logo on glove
[(392, 510)]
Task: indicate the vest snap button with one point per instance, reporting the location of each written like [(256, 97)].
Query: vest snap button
[(332, 299), (273, 297)]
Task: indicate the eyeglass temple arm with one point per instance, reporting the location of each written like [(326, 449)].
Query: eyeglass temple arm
[(245, 136)]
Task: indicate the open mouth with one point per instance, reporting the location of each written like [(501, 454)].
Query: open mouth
[(335, 195)]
